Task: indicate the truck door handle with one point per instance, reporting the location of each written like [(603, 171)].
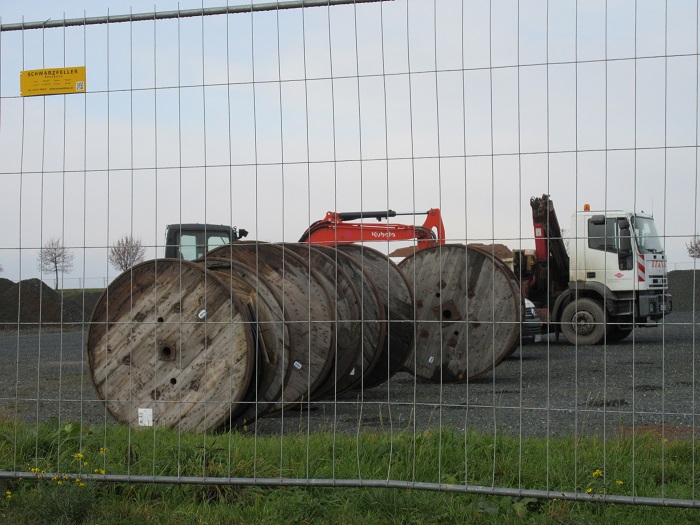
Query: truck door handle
[(590, 275)]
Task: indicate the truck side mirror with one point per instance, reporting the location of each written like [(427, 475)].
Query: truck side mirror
[(623, 224)]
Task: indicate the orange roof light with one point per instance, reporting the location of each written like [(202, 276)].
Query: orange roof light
[(586, 207)]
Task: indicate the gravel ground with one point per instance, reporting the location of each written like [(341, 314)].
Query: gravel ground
[(550, 388)]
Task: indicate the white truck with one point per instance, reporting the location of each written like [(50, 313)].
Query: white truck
[(613, 280)]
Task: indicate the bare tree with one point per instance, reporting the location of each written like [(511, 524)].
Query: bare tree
[(55, 258), (693, 247), (126, 253)]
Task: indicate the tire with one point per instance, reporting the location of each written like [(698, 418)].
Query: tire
[(616, 334), (583, 322)]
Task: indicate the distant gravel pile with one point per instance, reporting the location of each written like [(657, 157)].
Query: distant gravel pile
[(35, 302), (682, 287)]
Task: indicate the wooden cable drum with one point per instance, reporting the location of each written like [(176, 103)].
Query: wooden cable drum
[(345, 301), (466, 312), (513, 280), (372, 319), (169, 344), (273, 341), (306, 306), (396, 293)]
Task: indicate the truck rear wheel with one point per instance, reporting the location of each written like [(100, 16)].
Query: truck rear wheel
[(583, 322)]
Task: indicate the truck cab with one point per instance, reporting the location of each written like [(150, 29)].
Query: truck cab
[(192, 241), (619, 257), (607, 276)]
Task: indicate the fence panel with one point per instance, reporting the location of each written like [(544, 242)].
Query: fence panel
[(374, 178)]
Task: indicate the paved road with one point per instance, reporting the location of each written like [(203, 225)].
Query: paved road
[(550, 388)]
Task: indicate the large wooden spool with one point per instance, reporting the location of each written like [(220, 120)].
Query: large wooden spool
[(306, 306), (345, 301), (467, 311), (272, 344), (396, 294), (170, 345), (372, 319)]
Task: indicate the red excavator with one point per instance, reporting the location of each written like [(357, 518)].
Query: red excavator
[(335, 228)]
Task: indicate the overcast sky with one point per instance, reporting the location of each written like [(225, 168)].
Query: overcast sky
[(267, 121)]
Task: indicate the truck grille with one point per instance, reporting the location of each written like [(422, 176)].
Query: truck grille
[(658, 283)]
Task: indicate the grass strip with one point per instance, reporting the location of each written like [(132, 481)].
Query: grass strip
[(64, 458)]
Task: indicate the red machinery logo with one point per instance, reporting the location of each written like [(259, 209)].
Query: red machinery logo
[(383, 235)]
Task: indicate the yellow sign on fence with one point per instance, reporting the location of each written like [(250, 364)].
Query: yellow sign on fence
[(54, 81)]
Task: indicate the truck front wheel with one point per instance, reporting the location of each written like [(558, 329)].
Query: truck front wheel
[(583, 322)]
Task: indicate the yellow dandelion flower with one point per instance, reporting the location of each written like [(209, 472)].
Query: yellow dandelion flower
[(619, 482), (85, 463), (8, 494), (589, 490), (78, 456), (59, 482), (597, 473), (103, 450), (81, 484)]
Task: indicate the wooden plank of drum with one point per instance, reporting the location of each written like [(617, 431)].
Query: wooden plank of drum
[(512, 280), (345, 301), (465, 312), (372, 319), (272, 339), (395, 291), (305, 305)]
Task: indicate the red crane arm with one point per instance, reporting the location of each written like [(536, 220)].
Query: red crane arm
[(334, 229)]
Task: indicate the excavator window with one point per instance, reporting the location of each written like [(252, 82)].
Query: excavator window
[(193, 245)]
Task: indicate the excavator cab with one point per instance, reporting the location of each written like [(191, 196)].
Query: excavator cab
[(192, 241)]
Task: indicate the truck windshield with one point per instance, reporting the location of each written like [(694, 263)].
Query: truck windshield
[(648, 241)]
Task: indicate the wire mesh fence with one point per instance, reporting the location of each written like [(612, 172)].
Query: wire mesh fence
[(313, 244)]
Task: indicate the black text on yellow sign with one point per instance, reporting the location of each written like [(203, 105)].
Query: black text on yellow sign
[(54, 81)]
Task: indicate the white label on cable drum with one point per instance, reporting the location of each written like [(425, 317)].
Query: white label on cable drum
[(431, 359), (297, 365), (145, 417), (202, 314)]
